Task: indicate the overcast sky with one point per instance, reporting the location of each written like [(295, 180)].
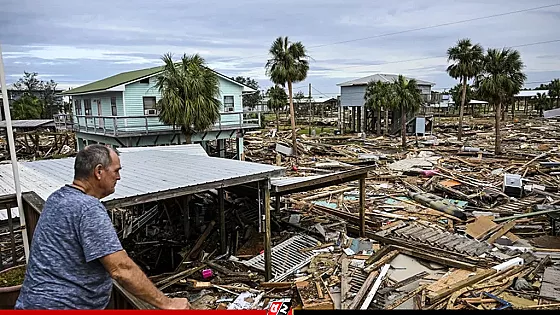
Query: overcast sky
[(76, 42)]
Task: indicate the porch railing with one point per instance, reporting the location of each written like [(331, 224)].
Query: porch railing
[(146, 124)]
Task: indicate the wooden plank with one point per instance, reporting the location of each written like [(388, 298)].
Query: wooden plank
[(183, 191), (435, 258), (200, 240), (363, 290), (344, 285), (503, 230), (386, 259), (267, 232), (222, 214), (276, 285), (445, 282), (480, 227), (375, 287), (362, 207), (406, 297), (436, 296), (324, 181)]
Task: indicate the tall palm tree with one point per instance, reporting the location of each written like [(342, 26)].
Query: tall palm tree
[(277, 100), (189, 94), (467, 62), (543, 102), (500, 80), (288, 64), (554, 90), (407, 98)]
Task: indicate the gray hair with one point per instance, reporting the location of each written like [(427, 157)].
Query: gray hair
[(91, 156)]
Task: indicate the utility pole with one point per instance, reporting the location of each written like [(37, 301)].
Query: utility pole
[(310, 112)]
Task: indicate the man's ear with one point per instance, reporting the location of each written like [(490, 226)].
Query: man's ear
[(97, 171)]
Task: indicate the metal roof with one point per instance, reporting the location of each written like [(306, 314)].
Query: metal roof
[(145, 173), (190, 149), (31, 123), (383, 78)]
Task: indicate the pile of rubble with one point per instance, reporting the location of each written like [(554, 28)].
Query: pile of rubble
[(449, 225), (35, 145)]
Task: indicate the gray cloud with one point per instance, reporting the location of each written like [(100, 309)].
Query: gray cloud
[(77, 43)]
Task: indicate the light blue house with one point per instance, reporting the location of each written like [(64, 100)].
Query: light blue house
[(121, 111)]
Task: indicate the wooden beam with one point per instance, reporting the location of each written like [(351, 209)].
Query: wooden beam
[(267, 235), (190, 190), (375, 287), (363, 290), (406, 297), (436, 296), (222, 211), (200, 240), (435, 258), (362, 207), (501, 232), (323, 181)]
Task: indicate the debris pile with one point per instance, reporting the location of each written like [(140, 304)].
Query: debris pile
[(449, 225), (34, 145)]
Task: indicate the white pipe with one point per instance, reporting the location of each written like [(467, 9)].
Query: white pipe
[(13, 157)]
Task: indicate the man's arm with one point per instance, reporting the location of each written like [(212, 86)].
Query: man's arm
[(130, 276)]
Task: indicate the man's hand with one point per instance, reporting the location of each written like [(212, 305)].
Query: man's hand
[(177, 304)]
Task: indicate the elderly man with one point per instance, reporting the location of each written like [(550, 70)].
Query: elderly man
[(75, 250)]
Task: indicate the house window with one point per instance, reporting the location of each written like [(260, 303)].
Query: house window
[(145, 81), (114, 106), (78, 106), (228, 103), (87, 107), (150, 105)]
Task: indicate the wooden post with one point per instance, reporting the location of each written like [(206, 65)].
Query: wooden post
[(362, 207), (12, 236), (267, 245), (223, 246)]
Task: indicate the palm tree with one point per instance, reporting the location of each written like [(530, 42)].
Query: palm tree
[(554, 90), (375, 99), (289, 64), (189, 94), (466, 65), (407, 98), (277, 99), (543, 102), (500, 80)]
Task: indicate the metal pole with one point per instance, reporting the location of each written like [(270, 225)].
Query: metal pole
[(12, 146)]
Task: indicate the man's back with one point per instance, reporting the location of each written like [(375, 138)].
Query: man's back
[(64, 271)]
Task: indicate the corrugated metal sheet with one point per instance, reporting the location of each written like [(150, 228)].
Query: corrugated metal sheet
[(189, 149), (26, 123), (144, 172), (286, 257)]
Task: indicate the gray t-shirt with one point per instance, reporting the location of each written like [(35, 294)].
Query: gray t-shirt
[(64, 271)]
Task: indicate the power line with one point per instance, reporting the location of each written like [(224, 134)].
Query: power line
[(412, 30), (438, 25), (441, 56)]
